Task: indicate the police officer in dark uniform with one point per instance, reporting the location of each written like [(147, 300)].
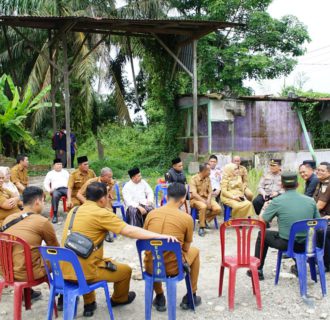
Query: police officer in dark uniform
[(176, 174)]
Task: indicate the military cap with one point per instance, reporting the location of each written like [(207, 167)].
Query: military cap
[(133, 172), (176, 160), (311, 163), (82, 159), (289, 179), (274, 162), (57, 160)]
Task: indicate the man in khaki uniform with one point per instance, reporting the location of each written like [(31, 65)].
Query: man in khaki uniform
[(201, 197), (170, 220), (9, 203), (34, 229), (94, 220), (19, 173), (77, 179), (270, 185), (244, 174), (106, 178)]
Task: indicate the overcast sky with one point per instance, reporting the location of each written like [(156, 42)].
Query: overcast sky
[(315, 64)]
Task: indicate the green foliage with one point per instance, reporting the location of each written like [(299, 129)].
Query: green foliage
[(14, 111)]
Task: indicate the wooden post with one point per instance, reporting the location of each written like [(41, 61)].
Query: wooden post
[(66, 99), (52, 83), (195, 101)]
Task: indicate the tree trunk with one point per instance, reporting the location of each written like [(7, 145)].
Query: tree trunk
[(100, 149)]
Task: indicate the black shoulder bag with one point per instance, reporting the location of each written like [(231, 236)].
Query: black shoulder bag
[(11, 223), (79, 243)]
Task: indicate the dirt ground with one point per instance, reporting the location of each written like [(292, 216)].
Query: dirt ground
[(278, 302)]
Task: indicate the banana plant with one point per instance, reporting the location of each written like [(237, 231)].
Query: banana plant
[(14, 112)]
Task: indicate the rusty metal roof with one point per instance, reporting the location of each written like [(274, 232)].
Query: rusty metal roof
[(192, 29)]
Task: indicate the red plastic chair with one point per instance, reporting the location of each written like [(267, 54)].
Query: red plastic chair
[(243, 259), (51, 213), (7, 242)]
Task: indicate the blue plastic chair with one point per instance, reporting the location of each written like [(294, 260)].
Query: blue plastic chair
[(227, 212), (161, 187), (158, 247), (70, 290), (194, 214), (313, 254), (118, 204)]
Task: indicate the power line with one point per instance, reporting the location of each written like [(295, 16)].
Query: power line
[(318, 49)]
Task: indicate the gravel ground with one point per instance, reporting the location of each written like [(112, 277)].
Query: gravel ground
[(279, 302)]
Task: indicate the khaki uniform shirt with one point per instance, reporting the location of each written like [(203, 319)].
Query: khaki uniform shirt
[(244, 174), (232, 187), (94, 222), (33, 229), (322, 193), (98, 179), (78, 179), (169, 220), (19, 174), (270, 183), (4, 213), (200, 186)]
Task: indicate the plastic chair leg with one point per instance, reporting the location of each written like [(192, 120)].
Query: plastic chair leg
[(64, 204), (253, 286), (51, 213), (27, 298), (222, 271), (2, 285), (312, 267), (69, 306), (320, 264), (231, 288), (51, 304), (194, 215), (148, 293), (107, 297), (278, 266), (18, 291), (190, 295), (123, 214), (256, 286), (302, 274), (216, 223), (171, 299)]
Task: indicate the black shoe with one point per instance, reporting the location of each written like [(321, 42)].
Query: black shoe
[(109, 237), (184, 304), (54, 220), (160, 302), (207, 226), (294, 270), (131, 297), (260, 274), (60, 303), (89, 309), (201, 232), (35, 295)]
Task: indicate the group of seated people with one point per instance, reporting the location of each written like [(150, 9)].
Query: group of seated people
[(277, 197)]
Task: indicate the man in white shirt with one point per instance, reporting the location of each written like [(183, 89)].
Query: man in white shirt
[(215, 177), (138, 197), (56, 183)]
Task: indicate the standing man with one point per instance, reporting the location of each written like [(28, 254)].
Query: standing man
[(201, 198), (77, 179), (138, 197), (215, 176), (244, 174), (307, 173), (170, 220), (270, 185), (289, 208), (59, 145), (322, 198), (56, 183), (34, 229), (74, 148), (19, 173), (94, 221), (176, 174)]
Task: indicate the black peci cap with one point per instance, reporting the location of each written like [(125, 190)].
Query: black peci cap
[(133, 172), (82, 159)]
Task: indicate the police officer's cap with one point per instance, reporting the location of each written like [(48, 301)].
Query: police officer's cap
[(289, 179), (176, 160), (82, 159), (311, 163), (133, 172), (274, 162)]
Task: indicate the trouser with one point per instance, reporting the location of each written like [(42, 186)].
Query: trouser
[(120, 278), (258, 202), (72, 160), (192, 258), (135, 217), (273, 240), (56, 196), (61, 154), (320, 235), (204, 213)]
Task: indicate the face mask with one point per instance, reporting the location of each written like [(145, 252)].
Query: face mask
[(64, 131)]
